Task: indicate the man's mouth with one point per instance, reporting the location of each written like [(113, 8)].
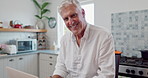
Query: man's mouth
[(74, 26)]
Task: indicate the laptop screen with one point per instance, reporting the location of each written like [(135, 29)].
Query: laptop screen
[(13, 73)]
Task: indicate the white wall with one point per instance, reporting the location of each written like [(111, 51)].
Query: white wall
[(22, 10), (104, 8), (52, 33)]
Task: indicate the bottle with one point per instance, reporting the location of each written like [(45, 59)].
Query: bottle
[(1, 24), (54, 46)]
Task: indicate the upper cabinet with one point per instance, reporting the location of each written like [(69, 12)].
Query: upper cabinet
[(21, 30)]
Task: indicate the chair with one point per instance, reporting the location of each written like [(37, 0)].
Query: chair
[(117, 58)]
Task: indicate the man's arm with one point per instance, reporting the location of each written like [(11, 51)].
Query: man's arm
[(60, 68), (55, 76), (106, 60)]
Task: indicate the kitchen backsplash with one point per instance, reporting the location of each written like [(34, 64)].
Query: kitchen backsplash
[(6, 36), (130, 31)]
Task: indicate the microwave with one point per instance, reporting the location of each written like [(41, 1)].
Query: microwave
[(25, 45)]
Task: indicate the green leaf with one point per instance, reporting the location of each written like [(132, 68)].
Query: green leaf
[(38, 17), (37, 4), (44, 11), (45, 4), (45, 17)]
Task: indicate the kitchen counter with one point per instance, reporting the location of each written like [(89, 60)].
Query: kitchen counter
[(29, 52)]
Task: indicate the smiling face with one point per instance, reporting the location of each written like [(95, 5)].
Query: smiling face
[(74, 18)]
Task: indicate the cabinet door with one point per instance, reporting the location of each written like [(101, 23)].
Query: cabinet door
[(28, 64), (1, 68), (46, 68), (22, 63), (47, 65), (11, 62), (34, 64), (48, 57), (25, 63)]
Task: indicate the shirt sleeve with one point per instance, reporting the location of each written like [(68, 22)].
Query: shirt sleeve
[(60, 68), (106, 60)]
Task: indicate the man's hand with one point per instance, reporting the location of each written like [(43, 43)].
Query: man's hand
[(55, 76), (50, 77)]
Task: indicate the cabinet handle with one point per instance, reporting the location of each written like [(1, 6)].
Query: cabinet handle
[(50, 63), (20, 58), (50, 57), (11, 60)]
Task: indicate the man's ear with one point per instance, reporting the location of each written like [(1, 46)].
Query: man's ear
[(83, 13)]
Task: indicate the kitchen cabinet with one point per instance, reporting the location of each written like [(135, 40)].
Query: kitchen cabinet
[(33, 65), (28, 63), (1, 68), (25, 63), (47, 64), (11, 62)]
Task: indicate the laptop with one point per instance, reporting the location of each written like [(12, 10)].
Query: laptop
[(13, 73)]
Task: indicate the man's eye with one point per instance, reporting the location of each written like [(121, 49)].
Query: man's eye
[(65, 19), (74, 15)]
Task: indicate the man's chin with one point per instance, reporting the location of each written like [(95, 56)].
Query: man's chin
[(74, 32)]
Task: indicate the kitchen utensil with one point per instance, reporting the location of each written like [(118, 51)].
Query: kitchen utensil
[(144, 54), (16, 24)]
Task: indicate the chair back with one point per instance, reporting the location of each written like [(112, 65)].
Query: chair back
[(117, 58)]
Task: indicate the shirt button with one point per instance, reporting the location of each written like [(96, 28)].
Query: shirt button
[(79, 65), (76, 75), (79, 58)]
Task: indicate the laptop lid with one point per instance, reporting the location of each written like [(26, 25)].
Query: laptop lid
[(13, 73)]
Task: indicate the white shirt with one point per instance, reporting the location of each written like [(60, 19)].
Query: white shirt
[(94, 58)]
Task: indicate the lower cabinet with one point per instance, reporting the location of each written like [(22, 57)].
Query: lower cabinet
[(47, 64), (25, 63), (38, 64), (1, 68)]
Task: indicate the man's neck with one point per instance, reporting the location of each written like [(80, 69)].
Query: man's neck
[(80, 35)]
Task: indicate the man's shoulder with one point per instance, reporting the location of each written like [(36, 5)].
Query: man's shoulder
[(98, 29), (99, 32)]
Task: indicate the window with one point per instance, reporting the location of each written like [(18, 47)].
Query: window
[(89, 12), (89, 15)]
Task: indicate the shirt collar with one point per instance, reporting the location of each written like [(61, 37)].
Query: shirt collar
[(85, 36)]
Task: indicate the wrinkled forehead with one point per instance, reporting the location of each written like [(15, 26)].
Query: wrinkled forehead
[(68, 7), (68, 3), (68, 10)]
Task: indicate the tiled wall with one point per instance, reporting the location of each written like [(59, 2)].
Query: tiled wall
[(130, 31), (6, 36)]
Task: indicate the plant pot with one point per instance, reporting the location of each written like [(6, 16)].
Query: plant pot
[(40, 24)]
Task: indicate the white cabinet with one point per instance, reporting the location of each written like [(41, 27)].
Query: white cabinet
[(11, 62), (47, 64), (33, 65), (1, 68), (25, 63), (28, 63)]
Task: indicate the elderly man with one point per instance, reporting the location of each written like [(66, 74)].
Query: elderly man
[(87, 51)]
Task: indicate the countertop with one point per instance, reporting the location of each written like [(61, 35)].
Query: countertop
[(29, 52)]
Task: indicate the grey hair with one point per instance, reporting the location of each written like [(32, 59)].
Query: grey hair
[(65, 3)]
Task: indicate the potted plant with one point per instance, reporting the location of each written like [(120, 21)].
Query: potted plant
[(42, 11)]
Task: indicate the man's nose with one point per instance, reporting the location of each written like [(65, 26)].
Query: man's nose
[(71, 21)]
